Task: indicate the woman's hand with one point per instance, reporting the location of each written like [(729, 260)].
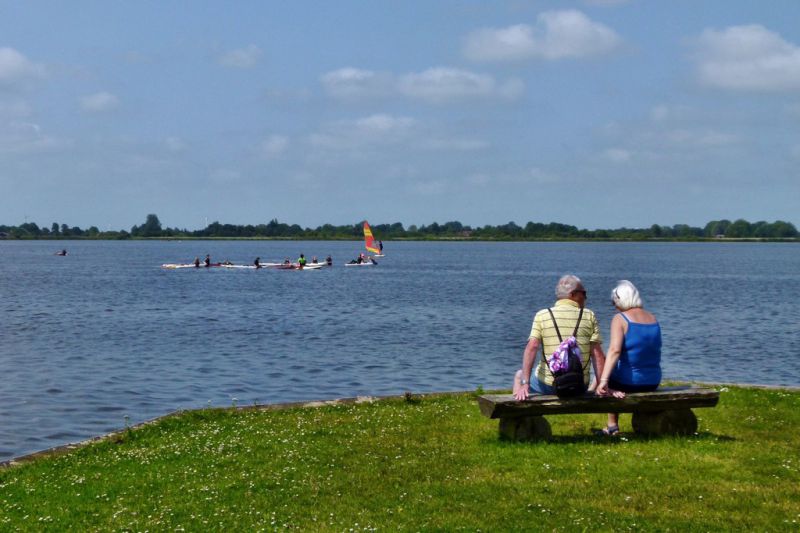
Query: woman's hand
[(604, 390)]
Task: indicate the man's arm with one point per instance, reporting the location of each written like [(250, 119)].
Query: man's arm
[(528, 356)]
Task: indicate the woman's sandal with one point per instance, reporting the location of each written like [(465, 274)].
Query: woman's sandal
[(610, 431)]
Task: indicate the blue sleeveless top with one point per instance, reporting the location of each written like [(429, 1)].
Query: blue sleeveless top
[(640, 360)]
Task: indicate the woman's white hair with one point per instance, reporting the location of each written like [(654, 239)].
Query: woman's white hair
[(626, 296), (567, 285)]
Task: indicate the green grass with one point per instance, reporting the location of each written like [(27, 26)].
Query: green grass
[(432, 464)]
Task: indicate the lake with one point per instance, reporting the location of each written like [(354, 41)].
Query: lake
[(104, 333)]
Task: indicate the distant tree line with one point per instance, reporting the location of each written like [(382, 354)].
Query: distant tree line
[(152, 228)]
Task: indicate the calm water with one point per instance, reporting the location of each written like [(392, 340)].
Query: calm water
[(104, 333)]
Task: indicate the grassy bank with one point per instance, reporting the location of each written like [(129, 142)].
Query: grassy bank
[(430, 463)]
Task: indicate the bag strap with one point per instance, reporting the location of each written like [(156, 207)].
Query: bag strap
[(577, 324), (556, 323)]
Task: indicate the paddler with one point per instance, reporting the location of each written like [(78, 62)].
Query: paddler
[(329, 260), (197, 262), (257, 262), (301, 261), (207, 261)]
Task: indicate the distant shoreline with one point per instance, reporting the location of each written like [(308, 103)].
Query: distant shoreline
[(408, 239)]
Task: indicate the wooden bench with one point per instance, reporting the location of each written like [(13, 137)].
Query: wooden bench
[(666, 411)]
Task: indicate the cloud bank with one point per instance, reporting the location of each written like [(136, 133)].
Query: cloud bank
[(747, 58), (557, 35)]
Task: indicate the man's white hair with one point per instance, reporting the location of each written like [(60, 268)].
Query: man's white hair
[(626, 296), (567, 285)]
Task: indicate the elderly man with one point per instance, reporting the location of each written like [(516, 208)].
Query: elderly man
[(571, 296)]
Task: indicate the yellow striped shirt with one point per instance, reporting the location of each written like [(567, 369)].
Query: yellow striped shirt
[(566, 312)]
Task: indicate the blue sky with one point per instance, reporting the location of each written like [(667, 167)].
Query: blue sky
[(597, 113)]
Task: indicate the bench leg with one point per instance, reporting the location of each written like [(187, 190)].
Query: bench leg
[(673, 422), (529, 428)]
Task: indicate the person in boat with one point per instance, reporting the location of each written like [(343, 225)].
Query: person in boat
[(207, 260), (287, 261), (569, 307), (633, 361), (301, 261), (197, 262), (314, 260), (62, 252), (227, 262), (257, 262), (329, 260)]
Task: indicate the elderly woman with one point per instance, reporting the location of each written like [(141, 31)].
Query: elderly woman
[(633, 360)]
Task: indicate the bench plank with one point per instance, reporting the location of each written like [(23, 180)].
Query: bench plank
[(666, 398)]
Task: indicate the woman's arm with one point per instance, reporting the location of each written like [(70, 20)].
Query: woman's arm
[(612, 356)]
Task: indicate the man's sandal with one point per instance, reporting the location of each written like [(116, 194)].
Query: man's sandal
[(610, 431)]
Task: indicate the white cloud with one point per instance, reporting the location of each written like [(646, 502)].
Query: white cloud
[(246, 57), (436, 85), (617, 155), (273, 146), (556, 35), (15, 67), (354, 83), (747, 58), (374, 129), (99, 102)]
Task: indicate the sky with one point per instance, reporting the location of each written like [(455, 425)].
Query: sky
[(595, 113)]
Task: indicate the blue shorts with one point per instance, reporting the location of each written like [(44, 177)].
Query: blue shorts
[(540, 387)]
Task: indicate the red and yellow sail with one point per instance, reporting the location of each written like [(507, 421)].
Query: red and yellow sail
[(369, 240)]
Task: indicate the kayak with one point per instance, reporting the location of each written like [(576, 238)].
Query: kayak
[(190, 265), (293, 266), (364, 264)]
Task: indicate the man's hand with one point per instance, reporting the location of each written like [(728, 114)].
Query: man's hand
[(521, 392)]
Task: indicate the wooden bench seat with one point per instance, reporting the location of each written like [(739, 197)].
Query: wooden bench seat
[(667, 410)]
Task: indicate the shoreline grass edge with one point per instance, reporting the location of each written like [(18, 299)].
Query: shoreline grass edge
[(416, 462)]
